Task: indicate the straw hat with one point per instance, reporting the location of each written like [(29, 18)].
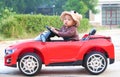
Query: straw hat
[(76, 16)]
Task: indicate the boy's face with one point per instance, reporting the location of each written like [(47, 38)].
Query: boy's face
[(68, 20)]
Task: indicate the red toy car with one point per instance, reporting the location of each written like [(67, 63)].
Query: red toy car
[(91, 51)]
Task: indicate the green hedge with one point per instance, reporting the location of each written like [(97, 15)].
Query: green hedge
[(23, 26)]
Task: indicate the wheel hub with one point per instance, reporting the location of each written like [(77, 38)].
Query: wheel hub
[(96, 63), (29, 64)]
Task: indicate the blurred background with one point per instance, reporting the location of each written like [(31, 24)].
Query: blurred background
[(28, 18)]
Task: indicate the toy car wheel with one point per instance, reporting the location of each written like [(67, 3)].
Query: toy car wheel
[(95, 62), (30, 64)]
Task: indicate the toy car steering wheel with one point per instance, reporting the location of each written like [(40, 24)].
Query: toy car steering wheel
[(51, 30)]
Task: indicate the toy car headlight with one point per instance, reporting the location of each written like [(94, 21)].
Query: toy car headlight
[(10, 51)]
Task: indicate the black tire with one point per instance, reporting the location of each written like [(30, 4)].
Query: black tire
[(30, 64), (95, 62)]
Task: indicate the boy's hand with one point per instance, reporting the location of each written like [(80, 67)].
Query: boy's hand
[(54, 30)]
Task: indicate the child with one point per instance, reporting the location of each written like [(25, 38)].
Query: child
[(71, 20)]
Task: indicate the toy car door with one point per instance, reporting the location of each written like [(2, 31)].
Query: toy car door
[(63, 51)]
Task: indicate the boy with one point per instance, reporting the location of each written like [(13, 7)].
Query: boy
[(71, 20)]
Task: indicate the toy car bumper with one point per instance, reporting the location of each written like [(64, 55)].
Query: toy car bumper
[(112, 61), (9, 61)]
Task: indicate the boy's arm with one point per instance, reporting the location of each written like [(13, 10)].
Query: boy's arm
[(69, 33)]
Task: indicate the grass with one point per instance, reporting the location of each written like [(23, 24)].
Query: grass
[(3, 38), (98, 28)]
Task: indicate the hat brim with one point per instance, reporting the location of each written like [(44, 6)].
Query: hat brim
[(76, 17)]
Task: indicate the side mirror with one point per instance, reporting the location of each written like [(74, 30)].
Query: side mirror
[(92, 32)]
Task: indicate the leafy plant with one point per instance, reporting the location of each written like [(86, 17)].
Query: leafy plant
[(25, 26)]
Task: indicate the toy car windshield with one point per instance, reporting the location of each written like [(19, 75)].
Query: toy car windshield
[(43, 37)]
